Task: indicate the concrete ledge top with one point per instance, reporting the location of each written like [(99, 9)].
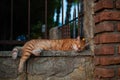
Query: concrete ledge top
[(53, 53)]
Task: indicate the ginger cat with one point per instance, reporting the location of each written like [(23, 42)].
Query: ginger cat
[(36, 46)]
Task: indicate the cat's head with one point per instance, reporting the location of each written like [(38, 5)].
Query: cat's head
[(78, 44)]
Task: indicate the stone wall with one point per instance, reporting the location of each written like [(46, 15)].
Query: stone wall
[(51, 65)]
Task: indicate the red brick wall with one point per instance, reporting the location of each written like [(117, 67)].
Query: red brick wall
[(107, 39)]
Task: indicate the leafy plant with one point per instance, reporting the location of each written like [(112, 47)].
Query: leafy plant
[(36, 30)]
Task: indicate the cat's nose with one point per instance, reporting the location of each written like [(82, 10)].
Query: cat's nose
[(79, 50)]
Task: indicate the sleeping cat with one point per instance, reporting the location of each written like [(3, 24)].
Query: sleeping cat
[(36, 46)]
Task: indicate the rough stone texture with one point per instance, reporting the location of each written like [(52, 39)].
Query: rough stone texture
[(60, 68), (51, 65), (8, 69), (88, 22)]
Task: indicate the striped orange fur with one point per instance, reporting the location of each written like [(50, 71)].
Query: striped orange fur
[(36, 46)]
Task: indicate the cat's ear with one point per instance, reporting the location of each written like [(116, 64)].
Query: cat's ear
[(78, 38)]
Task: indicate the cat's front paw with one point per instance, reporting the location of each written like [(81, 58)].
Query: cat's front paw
[(14, 53)]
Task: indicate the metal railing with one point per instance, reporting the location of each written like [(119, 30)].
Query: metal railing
[(71, 29)]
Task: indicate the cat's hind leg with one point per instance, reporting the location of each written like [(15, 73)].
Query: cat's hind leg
[(25, 56), (23, 59), (37, 52)]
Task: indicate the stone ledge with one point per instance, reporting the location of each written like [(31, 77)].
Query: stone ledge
[(53, 53), (52, 65)]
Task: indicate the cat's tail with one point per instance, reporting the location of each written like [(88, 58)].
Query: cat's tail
[(16, 51)]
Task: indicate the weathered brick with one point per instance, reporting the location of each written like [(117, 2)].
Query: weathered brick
[(118, 26), (118, 71), (106, 61), (96, 0), (119, 49), (109, 60), (107, 16), (107, 38), (104, 50), (102, 4), (104, 26), (96, 60), (104, 72), (118, 4), (107, 33)]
